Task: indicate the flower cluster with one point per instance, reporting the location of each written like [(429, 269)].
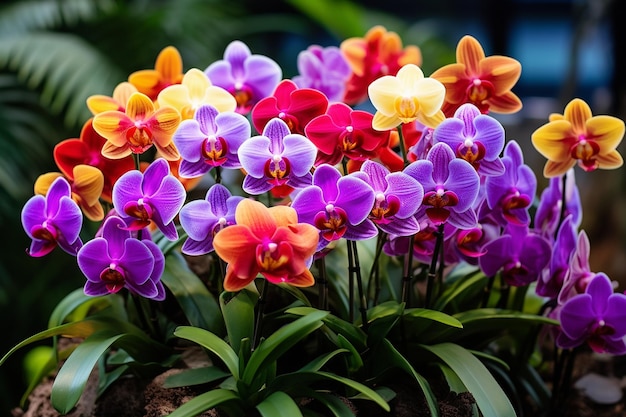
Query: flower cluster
[(430, 174)]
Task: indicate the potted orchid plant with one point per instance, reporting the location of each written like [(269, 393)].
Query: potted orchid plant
[(317, 249)]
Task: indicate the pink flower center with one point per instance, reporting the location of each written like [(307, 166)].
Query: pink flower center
[(277, 170), (113, 277), (332, 223), (139, 138), (480, 91), (214, 150), (384, 208), (585, 151)]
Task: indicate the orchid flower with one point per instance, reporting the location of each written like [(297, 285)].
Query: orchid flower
[(597, 317), (86, 150), (344, 132), (99, 103), (194, 91), (550, 283), (248, 77), (519, 254), (377, 54), (276, 158), (577, 136), (266, 241), (116, 260), (579, 273), (86, 184), (450, 187), (475, 137), (483, 81), (397, 196), (137, 128), (168, 70), (550, 203), (509, 195), (406, 97), (53, 220), (203, 219), (337, 206), (210, 139), (295, 106), (152, 196), (323, 69)]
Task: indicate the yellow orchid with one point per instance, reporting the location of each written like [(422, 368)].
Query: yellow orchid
[(577, 136), (194, 91), (168, 70), (406, 97), (100, 103)]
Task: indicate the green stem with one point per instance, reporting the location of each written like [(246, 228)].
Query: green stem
[(359, 282), (375, 271), (137, 161), (432, 272), (563, 204), (407, 274), (403, 151), (322, 283), (259, 314), (218, 175)]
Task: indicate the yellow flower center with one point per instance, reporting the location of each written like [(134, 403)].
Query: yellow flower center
[(585, 151), (407, 108), (270, 260)]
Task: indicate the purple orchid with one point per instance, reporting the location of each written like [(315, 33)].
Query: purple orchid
[(397, 196), (579, 273), (509, 195), (203, 219), (519, 253), (324, 69), (474, 137), (597, 317), (117, 260), (248, 77), (53, 220), (550, 203), (469, 243), (551, 281), (450, 187), (338, 206), (275, 158), (423, 243), (210, 139), (154, 195)]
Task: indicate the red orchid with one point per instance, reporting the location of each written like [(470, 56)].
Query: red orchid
[(168, 70), (295, 106), (266, 241), (379, 53), (483, 81), (87, 150), (86, 184), (341, 132)]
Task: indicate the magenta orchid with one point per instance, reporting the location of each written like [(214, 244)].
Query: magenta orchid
[(579, 273), (203, 219), (597, 317), (474, 137), (153, 196), (450, 187), (248, 77), (276, 158), (509, 195), (338, 206), (324, 69), (550, 203), (519, 254), (397, 196), (117, 260), (551, 281), (210, 139), (53, 220)]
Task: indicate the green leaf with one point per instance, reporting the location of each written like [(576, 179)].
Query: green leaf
[(354, 334), (382, 318), (491, 399), (72, 377), (206, 401), (213, 343), (195, 376), (395, 358), (317, 363), (67, 306), (238, 312), (198, 304), (337, 407), (279, 404), (344, 18), (280, 342), (420, 322), (460, 290), (354, 359)]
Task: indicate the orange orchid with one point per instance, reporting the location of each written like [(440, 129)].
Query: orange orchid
[(577, 136), (168, 70), (269, 241), (86, 186), (100, 103), (483, 81), (379, 53), (137, 128)]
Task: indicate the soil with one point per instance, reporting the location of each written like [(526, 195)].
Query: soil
[(132, 397)]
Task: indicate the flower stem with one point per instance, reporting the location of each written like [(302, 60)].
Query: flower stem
[(354, 272), (258, 323), (137, 161), (563, 204), (407, 274), (402, 145), (375, 271), (218, 175), (322, 283), (432, 272)]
